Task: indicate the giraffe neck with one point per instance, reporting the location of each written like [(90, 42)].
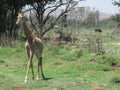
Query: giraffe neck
[(29, 35)]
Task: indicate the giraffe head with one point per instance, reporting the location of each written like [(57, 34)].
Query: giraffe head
[(20, 17)]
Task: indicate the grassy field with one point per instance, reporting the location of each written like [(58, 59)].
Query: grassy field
[(68, 66)]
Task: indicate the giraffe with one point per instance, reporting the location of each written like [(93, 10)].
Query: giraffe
[(34, 46)]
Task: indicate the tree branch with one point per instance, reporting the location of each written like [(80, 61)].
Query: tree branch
[(68, 8), (48, 15), (32, 23)]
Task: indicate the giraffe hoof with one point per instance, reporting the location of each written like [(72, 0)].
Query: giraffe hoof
[(37, 79), (25, 81), (26, 78)]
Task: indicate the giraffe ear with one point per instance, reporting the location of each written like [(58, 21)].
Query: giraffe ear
[(22, 13)]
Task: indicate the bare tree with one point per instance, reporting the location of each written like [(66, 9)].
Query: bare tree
[(44, 9)]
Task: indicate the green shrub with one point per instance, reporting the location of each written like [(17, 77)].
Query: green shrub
[(115, 80), (79, 53)]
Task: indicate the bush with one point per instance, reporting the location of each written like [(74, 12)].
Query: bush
[(115, 80), (79, 53)]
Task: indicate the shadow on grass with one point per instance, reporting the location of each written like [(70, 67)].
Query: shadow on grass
[(47, 79)]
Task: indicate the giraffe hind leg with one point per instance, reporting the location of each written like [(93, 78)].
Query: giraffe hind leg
[(32, 70), (40, 65), (30, 65), (38, 69)]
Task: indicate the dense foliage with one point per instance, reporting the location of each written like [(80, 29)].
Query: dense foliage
[(10, 9)]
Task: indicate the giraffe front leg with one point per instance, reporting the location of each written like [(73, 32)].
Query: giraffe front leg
[(31, 63), (28, 67)]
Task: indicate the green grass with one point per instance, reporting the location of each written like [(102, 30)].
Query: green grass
[(68, 66)]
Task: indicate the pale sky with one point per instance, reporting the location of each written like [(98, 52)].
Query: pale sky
[(101, 5)]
